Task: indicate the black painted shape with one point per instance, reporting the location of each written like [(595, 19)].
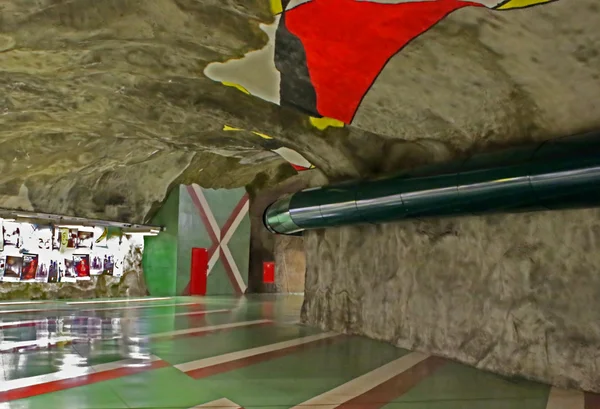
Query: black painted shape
[(296, 89)]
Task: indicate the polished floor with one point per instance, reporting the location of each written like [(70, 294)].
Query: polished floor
[(229, 353)]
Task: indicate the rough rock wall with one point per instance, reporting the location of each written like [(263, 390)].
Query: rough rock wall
[(290, 264), (514, 294)]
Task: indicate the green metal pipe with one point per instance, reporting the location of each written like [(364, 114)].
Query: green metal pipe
[(558, 174)]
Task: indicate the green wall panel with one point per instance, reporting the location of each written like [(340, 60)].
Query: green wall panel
[(217, 205), (160, 252), (167, 257)]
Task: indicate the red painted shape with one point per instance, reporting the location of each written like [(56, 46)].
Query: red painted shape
[(592, 401), (255, 359), (199, 271), (348, 42), (384, 393), (299, 168), (268, 272), (88, 379)]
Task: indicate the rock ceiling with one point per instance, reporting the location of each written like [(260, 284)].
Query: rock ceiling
[(105, 104)]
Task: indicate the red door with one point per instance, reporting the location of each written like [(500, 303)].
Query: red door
[(199, 271)]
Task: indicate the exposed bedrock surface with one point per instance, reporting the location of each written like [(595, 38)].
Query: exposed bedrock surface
[(104, 104), (514, 294)]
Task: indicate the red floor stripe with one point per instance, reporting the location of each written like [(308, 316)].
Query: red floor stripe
[(384, 393), (251, 360), (83, 380), (592, 401)]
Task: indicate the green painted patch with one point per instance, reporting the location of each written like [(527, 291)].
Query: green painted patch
[(291, 380), (191, 349), (161, 388), (456, 386), (96, 396)]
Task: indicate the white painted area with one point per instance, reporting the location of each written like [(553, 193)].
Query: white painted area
[(295, 3), (23, 302), (70, 373), (234, 356), (200, 330), (255, 71), (356, 387), (219, 404), (293, 157), (119, 301), (564, 399)]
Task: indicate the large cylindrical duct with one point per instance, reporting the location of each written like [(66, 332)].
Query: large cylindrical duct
[(557, 174)]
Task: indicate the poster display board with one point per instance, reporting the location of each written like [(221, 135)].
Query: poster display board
[(44, 253)]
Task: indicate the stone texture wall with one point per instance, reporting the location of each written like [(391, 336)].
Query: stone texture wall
[(263, 242), (290, 264), (514, 294)]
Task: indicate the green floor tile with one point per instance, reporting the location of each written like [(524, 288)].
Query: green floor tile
[(455, 382)]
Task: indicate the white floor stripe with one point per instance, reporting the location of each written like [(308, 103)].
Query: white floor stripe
[(564, 399), (137, 307), (119, 301), (179, 314), (200, 330), (362, 384), (70, 373), (233, 356), (219, 404)]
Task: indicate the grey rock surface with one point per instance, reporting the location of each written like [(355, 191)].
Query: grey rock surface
[(513, 294), (104, 105)]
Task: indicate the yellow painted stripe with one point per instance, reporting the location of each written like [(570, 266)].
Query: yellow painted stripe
[(516, 4)]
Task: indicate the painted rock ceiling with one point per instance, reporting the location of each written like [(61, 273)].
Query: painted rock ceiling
[(105, 104)]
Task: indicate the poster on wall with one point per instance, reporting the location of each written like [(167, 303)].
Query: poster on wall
[(43, 236), (85, 239), (53, 272), (118, 267), (68, 275), (81, 264), (28, 242), (11, 233), (42, 271), (46, 253), (73, 239), (30, 267), (109, 264), (12, 268), (96, 265)]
